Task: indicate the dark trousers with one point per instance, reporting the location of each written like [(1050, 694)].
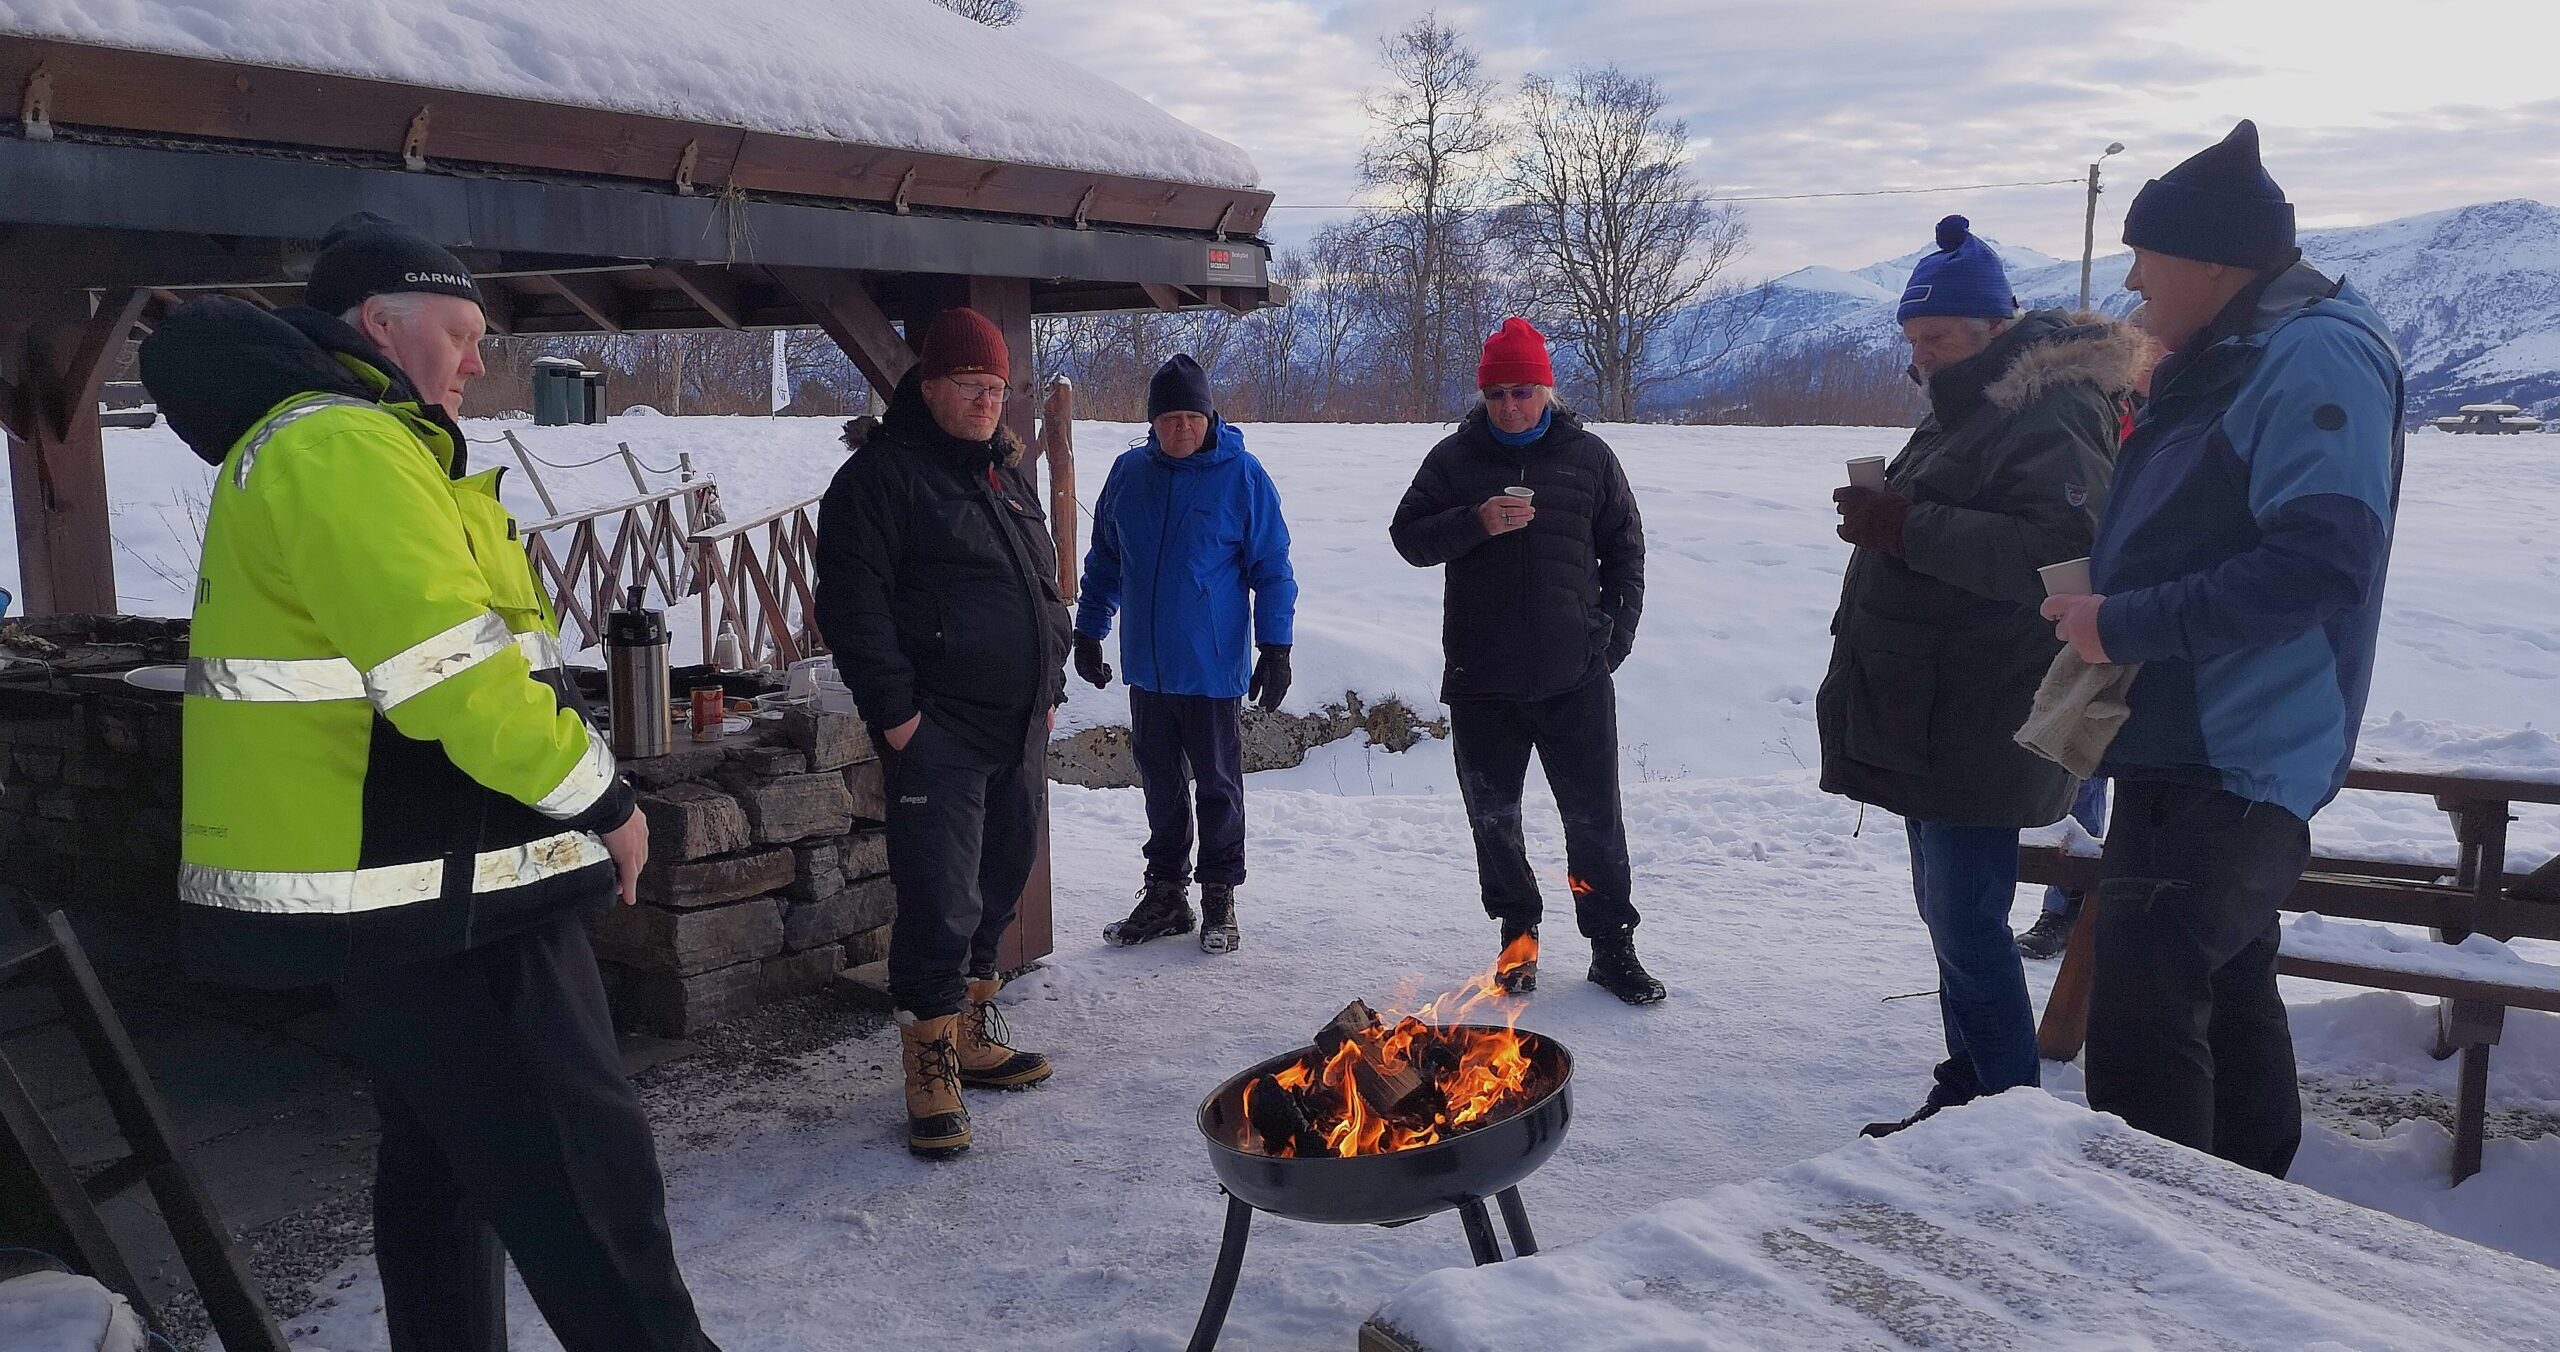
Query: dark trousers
[(2187, 1038), (1190, 748), (964, 828), (508, 1131), (1965, 879), (1576, 737)]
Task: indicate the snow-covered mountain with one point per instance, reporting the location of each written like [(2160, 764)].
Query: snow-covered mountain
[(2472, 295)]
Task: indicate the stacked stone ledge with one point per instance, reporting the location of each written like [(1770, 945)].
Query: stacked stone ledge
[(768, 873)]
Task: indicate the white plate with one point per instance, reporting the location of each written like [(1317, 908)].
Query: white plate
[(166, 677)]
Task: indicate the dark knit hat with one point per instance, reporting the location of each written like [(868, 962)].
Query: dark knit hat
[(963, 342), (365, 256), (1179, 386), (1963, 278), (1516, 354), (2218, 207)]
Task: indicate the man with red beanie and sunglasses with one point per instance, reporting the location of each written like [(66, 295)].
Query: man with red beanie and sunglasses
[(938, 592), (1544, 549)]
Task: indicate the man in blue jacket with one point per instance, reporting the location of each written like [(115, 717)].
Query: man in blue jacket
[(1187, 525), (2240, 562)]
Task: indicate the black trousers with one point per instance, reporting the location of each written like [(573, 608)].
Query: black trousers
[(508, 1131), (1575, 735), (964, 829), (1190, 748), (2187, 1038)]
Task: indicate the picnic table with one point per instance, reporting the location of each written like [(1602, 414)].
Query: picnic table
[(2480, 897), (2017, 1222)]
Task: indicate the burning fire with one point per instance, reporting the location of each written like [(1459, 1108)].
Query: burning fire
[(1415, 1083)]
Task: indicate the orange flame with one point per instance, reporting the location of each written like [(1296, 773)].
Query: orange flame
[(1492, 1073), (1578, 887)]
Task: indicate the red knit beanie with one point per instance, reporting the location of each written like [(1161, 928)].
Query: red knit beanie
[(962, 342), (1516, 354)]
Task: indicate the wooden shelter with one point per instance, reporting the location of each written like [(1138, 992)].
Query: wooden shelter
[(133, 179)]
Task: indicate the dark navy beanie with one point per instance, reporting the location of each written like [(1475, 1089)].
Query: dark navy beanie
[(1963, 278), (365, 256), (1179, 386), (2218, 207)]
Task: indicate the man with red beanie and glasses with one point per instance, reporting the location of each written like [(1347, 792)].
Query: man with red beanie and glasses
[(1544, 549), (938, 592)]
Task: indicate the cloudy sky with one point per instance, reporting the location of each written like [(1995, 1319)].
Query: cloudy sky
[(2368, 111)]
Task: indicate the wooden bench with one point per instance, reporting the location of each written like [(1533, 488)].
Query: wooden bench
[(2475, 1000)]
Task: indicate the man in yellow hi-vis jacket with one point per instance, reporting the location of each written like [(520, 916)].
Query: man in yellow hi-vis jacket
[(390, 787)]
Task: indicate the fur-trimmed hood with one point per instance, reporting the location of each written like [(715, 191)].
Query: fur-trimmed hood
[(2094, 350)]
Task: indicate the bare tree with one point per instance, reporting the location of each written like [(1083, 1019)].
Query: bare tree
[(1433, 129), (1615, 235), (992, 13)]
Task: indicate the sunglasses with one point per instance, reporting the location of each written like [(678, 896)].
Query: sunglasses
[(1514, 393)]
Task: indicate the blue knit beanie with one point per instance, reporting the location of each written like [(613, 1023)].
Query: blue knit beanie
[(1179, 386), (2218, 207), (1963, 278)]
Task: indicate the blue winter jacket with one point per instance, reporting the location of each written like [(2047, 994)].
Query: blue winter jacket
[(2244, 544), (1176, 545)]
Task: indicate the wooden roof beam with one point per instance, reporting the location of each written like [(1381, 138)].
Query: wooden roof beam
[(590, 294), (849, 313), (1166, 297), (711, 289)]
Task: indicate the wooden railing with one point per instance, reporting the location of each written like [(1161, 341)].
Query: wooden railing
[(587, 560), (758, 576)]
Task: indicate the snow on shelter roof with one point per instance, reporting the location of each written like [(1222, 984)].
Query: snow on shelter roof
[(904, 74)]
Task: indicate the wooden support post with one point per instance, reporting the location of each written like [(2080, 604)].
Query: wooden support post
[(57, 352), (1058, 447), (1007, 302)]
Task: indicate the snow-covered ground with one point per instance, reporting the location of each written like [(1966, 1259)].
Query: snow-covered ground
[(1087, 1218)]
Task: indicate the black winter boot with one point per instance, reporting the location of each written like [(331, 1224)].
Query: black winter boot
[(1516, 970), (1615, 969), (1163, 910), (2046, 938), (1218, 918)]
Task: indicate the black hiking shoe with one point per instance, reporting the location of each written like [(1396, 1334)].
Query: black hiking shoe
[(1880, 1130), (2046, 938), (1163, 910), (1218, 918), (1614, 968), (1515, 970)]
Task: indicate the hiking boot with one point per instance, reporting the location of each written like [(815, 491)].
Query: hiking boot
[(2046, 938), (1614, 969), (1880, 1130), (1163, 910), (1952, 1084), (985, 1062), (937, 1124), (1218, 918), (1515, 971)]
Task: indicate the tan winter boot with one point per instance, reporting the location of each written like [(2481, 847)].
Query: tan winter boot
[(985, 1062), (937, 1123)]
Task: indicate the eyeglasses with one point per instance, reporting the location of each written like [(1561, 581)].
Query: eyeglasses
[(1515, 393), (981, 394)]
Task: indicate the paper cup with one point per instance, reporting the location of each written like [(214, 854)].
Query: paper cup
[(1867, 471), (2067, 578), (1524, 494)]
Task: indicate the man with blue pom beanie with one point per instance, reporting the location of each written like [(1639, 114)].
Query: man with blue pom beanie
[(1938, 650), (2241, 563), (1190, 552)]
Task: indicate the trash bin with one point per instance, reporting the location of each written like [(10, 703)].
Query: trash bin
[(591, 384), (559, 395)]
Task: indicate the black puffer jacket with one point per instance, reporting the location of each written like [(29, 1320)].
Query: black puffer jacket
[(1538, 611), (938, 583), (1937, 654)]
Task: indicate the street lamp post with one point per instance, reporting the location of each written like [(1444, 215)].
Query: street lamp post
[(2089, 226)]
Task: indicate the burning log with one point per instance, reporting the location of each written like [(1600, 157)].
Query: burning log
[(1391, 1085), (1280, 1121)]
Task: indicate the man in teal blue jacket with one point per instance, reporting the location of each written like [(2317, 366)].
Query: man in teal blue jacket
[(2240, 562), (1187, 525)]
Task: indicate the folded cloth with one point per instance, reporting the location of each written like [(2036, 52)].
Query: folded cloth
[(2078, 710)]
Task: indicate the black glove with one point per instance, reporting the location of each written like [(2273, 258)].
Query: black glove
[(1270, 677), (1872, 518), (1089, 663)]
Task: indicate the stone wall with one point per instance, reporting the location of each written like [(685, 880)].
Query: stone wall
[(1100, 758), (768, 874)]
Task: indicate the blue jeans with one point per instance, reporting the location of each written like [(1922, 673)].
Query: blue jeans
[(1965, 878), (2090, 810)]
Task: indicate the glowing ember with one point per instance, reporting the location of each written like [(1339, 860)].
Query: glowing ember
[(1368, 1087)]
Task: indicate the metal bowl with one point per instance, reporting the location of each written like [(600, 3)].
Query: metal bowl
[(1401, 1185)]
